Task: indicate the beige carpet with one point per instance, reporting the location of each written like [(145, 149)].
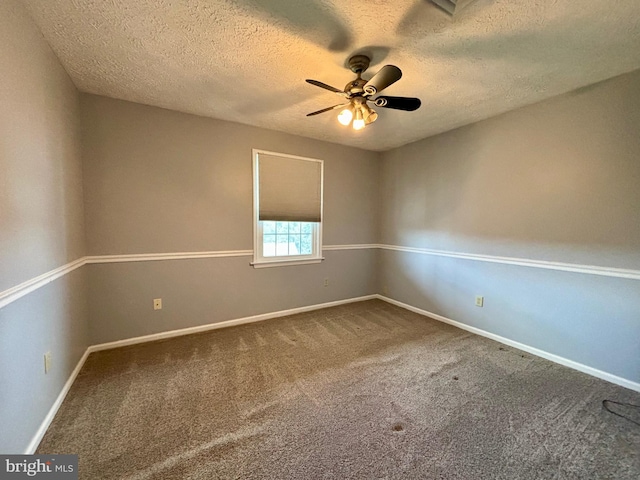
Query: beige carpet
[(362, 391)]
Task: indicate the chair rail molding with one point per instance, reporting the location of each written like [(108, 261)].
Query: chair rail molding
[(14, 293)]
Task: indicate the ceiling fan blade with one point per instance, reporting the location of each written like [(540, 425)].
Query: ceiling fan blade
[(326, 87), (327, 109), (408, 104), (387, 75)]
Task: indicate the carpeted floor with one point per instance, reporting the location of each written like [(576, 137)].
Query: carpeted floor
[(361, 391)]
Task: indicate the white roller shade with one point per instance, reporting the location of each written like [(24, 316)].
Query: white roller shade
[(290, 189)]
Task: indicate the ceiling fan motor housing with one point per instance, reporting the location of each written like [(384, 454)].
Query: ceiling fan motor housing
[(359, 63), (356, 87)]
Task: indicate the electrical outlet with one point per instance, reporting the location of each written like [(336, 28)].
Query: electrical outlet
[(326, 282), (479, 301), (157, 304), (47, 362), (385, 290)]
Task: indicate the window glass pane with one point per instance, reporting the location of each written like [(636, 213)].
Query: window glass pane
[(294, 244), (294, 227), (282, 245), (288, 243), (268, 245), (306, 244), (269, 227)]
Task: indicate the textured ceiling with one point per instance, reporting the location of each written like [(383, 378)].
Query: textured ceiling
[(246, 60)]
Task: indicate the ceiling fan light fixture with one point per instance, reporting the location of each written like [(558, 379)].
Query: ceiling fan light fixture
[(371, 116), (358, 92), (358, 122), (345, 116)]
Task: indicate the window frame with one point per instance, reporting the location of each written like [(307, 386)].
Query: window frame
[(259, 260)]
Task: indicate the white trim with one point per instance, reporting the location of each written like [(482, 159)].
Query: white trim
[(523, 262), (147, 257), (286, 263), (609, 377), (359, 246), (19, 291), (284, 155), (14, 293), (37, 438), (226, 323)]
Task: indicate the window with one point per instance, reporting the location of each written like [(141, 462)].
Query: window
[(287, 193)]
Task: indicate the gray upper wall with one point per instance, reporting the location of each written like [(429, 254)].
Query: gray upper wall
[(41, 214), (156, 180), (558, 180)]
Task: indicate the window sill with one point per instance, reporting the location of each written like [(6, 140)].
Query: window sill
[(285, 263)]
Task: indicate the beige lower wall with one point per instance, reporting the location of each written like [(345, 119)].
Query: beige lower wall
[(51, 319), (197, 292)]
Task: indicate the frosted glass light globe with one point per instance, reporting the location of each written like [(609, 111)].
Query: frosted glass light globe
[(358, 124), (345, 116)]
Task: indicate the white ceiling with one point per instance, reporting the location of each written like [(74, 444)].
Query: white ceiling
[(246, 60)]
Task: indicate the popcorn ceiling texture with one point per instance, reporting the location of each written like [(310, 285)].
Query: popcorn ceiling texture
[(246, 60)]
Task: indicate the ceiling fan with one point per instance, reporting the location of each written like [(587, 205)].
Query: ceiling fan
[(359, 91)]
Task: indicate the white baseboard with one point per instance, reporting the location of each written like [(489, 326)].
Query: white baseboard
[(224, 324), (609, 377), (37, 438)]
